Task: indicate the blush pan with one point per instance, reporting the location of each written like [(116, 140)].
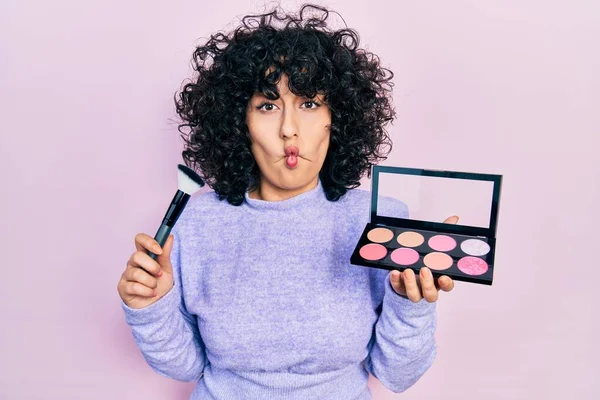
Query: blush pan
[(442, 243), (472, 265), (410, 239), (380, 235), (475, 247), (373, 251), (404, 256), (438, 261)]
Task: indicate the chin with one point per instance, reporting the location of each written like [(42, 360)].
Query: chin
[(299, 181)]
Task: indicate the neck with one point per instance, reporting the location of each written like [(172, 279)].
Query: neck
[(268, 192)]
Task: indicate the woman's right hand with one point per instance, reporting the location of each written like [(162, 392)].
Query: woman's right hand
[(145, 280)]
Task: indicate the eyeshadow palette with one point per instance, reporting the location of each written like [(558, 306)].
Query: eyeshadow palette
[(393, 240)]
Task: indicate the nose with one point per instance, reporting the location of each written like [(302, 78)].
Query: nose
[(289, 125)]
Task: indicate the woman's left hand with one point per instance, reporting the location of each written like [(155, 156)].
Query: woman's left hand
[(424, 286)]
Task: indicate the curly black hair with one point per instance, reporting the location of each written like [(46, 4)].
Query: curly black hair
[(232, 68)]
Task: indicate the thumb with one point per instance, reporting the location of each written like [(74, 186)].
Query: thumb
[(164, 259), (451, 220)]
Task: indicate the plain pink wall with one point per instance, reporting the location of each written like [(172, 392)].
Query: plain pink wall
[(89, 153)]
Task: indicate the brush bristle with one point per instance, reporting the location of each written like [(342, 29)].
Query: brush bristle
[(187, 180)]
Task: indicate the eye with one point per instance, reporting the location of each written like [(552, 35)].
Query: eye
[(313, 103), (266, 106)]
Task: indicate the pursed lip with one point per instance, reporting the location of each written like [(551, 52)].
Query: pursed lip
[(289, 150)]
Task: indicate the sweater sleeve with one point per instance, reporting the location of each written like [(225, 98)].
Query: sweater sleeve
[(166, 333), (403, 343)]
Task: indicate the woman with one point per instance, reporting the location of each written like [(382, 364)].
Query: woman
[(254, 291)]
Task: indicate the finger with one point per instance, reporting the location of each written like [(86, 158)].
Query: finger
[(430, 292), (410, 283), (137, 289), (144, 242), (396, 281), (445, 283), (143, 260), (164, 259), (139, 275), (451, 220)]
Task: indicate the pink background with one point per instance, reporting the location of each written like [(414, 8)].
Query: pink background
[(89, 153)]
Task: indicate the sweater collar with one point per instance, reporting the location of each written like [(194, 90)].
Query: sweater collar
[(299, 200)]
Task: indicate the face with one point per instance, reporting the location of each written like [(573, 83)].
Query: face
[(289, 140)]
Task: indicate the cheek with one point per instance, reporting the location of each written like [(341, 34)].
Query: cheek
[(256, 134), (325, 144), (260, 128), (325, 125), (321, 144), (260, 141)]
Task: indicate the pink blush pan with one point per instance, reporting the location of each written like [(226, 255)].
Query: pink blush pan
[(373, 251), (442, 243), (472, 266), (404, 256)]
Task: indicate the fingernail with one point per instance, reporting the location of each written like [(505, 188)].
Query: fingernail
[(155, 293), (159, 272)]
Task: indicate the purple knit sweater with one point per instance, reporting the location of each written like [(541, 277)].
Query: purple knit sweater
[(266, 304)]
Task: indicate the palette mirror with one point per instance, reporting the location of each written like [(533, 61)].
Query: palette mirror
[(435, 198)]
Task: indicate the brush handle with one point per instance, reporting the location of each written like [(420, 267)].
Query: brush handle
[(161, 237), (170, 219)]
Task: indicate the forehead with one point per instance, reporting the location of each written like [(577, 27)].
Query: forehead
[(283, 89), (280, 87), (283, 86)]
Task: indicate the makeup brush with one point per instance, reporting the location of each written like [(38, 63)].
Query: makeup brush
[(188, 183)]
